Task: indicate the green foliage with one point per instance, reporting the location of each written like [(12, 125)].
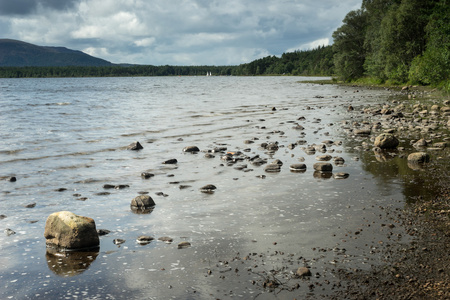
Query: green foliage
[(433, 67), (348, 46), (403, 41)]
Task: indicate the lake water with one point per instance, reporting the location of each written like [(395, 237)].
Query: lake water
[(64, 139)]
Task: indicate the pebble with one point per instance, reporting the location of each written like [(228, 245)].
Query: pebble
[(144, 239), (184, 245)]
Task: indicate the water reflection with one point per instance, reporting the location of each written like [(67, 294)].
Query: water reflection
[(69, 264)]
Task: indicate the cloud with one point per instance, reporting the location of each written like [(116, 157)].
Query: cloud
[(190, 32), (25, 7)]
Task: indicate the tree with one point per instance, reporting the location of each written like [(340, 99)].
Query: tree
[(349, 46)]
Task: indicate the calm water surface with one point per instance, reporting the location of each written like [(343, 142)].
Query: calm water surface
[(65, 138)]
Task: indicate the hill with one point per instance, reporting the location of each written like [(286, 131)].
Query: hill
[(15, 53)]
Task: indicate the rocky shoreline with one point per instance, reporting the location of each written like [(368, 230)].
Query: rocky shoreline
[(420, 270)]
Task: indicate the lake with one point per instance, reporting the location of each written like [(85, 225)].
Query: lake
[(64, 139)]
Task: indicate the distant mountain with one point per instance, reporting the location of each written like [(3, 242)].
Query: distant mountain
[(15, 53)]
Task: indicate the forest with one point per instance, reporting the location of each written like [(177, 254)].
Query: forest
[(395, 42), (384, 42), (312, 62)]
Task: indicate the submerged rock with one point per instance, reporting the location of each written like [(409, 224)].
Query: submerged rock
[(323, 167), (135, 146), (165, 239), (341, 175), (65, 230)]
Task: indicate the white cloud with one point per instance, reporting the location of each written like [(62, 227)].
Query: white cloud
[(191, 32)]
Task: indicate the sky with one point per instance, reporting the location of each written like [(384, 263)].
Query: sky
[(175, 32)]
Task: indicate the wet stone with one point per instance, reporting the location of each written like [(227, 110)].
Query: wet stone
[(303, 271), (418, 158), (324, 157), (183, 245), (147, 175), (341, 175), (135, 146), (165, 239), (12, 179), (272, 168), (323, 167), (9, 231), (209, 188), (191, 149), (118, 241), (142, 201), (170, 161), (102, 232), (297, 167), (144, 239)]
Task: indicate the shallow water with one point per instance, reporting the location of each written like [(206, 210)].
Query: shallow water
[(64, 139)]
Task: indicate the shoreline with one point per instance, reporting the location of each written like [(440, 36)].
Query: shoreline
[(420, 269)]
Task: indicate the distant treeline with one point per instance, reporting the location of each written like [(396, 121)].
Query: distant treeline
[(395, 41), (312, 62)]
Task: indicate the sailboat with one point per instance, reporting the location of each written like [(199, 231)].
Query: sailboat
[(208, 73)]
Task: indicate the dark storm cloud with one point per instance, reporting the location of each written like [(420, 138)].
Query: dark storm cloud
[(25, 7)]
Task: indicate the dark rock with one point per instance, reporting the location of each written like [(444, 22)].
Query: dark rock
[(209, 188), (191, 149), (147, 175), (272, 168), (142, 202), (118, 241), (2, 217), (135, 146), (108, 186), (339, 160), (277, 162), (68, 231), (272, 147), (31, 205), (12, 179), (184, 245), (170, 161), (323, 167), (209, 155), (297, 167), (121, 186), (303, 271), (144, 239), (102, 232)]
